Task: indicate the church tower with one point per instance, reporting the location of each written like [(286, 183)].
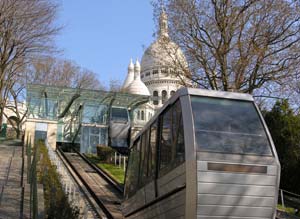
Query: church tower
[(161, 65)]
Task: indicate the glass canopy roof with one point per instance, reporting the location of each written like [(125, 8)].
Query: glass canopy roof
[(78, 110)]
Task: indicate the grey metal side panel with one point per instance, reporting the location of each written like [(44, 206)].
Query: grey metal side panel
[(236, 178), (134, 202), (190, 158), (230, 211), (168, 208), (172, 207), (171, 180), (149, 192), (236, 195)]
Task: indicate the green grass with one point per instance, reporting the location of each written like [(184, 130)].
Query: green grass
[(114, 171), (287, 210)]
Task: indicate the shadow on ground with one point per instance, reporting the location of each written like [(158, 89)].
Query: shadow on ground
[(10, 142)]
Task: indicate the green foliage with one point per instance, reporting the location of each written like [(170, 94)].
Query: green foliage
[(284, 126), (105, 153), (285, 209), (114, 171), (56, 202)]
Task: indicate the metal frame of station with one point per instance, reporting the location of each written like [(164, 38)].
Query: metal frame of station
[(82, 115)]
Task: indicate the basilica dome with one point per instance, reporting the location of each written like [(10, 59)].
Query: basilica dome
[(163, 52)]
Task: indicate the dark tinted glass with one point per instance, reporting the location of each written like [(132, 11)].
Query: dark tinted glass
[(155, 97), (132, 174), (228, 126), (119, 115), (177, 133), (152, 150), (166, 149), (144, 159), (171, 139)]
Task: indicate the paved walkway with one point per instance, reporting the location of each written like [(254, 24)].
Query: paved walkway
[(10, 180)]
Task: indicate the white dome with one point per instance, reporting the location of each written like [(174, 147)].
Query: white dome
[(163, 52), (130, 75), (138, 87)]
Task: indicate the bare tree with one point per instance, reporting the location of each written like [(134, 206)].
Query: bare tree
[(16, 108), (237, 45), (26, 30), (115, 85), (53, 71)]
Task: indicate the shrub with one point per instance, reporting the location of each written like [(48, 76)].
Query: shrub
[(56, 202), (105, 153)]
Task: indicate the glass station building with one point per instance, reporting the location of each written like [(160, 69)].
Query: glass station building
[(79, 116)]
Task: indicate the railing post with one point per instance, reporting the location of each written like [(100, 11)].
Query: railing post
[(33, 184), (282, 200), (28, 161), (124, 162)]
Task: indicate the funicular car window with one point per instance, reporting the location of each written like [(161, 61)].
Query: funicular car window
[(228, 126), (132, 174), (152, 151), (171, 139), (119, 114), (144, 159)]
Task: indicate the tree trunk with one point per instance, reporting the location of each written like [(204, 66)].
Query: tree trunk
[(18, 131), (1, 119)]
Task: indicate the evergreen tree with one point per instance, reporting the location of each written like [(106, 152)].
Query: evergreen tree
[(284, 126)]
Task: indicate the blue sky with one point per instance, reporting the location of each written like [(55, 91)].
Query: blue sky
[(102, 35)]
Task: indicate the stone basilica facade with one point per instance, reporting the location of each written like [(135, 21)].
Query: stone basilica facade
[(159, 75)]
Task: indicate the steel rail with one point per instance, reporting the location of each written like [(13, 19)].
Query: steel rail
[(64, 160), (93, 194), (103, 173)]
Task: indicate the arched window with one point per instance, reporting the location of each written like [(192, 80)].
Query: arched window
[(172, 92), (155, 97), (164, 96), (138, 115), (164, 71), (142, 115)]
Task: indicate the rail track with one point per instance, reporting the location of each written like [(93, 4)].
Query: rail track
[(106, 193)]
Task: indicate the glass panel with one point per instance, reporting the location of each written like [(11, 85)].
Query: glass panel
[(230, 126), (155, 97), (103, 136), (144, 159), (119, 114), (172, 139), (142, 115), (84, 144), (94, 114), (177, 133), (132, 173), (95, 130), (163, 96), (152, 150), (166, 150)]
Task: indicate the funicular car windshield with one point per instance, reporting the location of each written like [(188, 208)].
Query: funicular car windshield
[(119, 114), (228, 126)]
